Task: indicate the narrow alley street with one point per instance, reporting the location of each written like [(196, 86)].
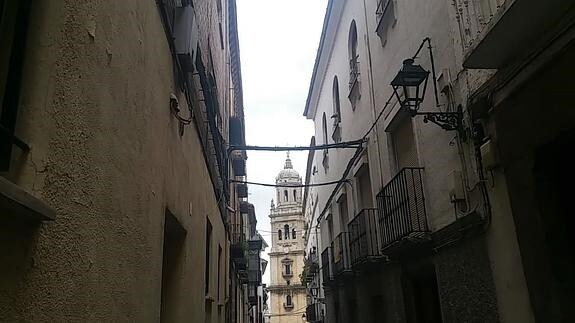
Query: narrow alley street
[(373, 161)]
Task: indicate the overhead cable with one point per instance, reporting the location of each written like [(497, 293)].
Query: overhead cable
[(345, 144), (284, 185)]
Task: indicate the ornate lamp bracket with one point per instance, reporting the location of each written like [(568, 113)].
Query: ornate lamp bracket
[(446, 120)]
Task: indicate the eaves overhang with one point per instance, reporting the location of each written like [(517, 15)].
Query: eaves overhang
[(330, 22)]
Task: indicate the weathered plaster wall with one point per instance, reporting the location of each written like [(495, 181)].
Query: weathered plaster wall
[(107, 156)]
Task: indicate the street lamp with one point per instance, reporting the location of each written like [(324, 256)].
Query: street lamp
[(409, 87), (408, 81)]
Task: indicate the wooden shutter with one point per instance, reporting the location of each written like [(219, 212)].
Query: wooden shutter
[(404, 145)]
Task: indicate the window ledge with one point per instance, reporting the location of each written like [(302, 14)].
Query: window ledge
[(15, 201)]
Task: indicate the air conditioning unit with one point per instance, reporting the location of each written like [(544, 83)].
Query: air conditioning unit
[(186, 36)]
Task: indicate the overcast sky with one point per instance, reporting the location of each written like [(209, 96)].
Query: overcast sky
[(278, 44)]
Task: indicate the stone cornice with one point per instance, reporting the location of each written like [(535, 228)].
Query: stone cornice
[(284, 287), (281, 253)]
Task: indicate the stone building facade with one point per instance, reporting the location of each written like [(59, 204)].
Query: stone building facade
[(447, 213), (114, 192), (287, 292)]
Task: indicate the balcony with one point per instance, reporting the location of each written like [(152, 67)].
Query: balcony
[(288, 306), (313, 313), (401, 207), (242, 190), (326, 268), (385, 15), (245, 207), (489, 25), (239, 166), (287, 274), (254, 262), (340, 255), (353, 73), (311, 267), (363, 237)]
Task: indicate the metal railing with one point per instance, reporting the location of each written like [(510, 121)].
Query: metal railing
[(313, 313), (340, 253), (237, 235), (326, 272), (473, 16), (382, 7), (353, 72), (363, 236), (401, 207)]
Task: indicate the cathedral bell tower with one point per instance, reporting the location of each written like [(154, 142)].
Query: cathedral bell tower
[(287, 253)]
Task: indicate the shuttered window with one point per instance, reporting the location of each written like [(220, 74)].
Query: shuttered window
[(404, 145), (364, 182)]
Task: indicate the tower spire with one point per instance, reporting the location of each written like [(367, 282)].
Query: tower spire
[(288, 164)]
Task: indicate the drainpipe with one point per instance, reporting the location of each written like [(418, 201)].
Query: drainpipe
[(372, 96)]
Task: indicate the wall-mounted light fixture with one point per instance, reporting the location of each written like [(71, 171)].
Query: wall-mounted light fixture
[(409, 87)]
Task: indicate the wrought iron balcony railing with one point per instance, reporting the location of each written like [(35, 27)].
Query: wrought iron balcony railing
[(353, 72), (363, 236), (326, 266), (340, 253), (313, 313), (401, 207)]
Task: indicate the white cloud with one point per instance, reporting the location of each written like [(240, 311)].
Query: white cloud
[(278, 43)]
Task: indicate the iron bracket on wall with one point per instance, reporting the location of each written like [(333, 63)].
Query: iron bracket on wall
[(446, 120)]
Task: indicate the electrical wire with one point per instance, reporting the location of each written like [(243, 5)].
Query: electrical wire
[(345, 144), (285, 185)]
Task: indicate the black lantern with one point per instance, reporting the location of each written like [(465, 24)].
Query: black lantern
[(407, 85)]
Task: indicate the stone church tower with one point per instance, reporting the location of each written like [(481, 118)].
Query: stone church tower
[(288, 300)]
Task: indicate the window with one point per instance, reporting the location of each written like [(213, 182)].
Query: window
[(219, 269), (385, 14), (364, 187), (354, 80), (343, 213), (336, 134), (325, 161), (293, 233), (287, 269), (353, 56), (403, 141), (208, 252), (336, 105), (174, 239), (294, 195), (285, 195), (286, 231), (279, 234), (288, 300), (324, 129), (330, 231), (14, 15)]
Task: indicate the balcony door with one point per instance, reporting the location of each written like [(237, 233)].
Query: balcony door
[(404, 148), (364, 194)]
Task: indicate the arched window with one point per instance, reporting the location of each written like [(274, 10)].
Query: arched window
[(294, 195), (285, 196), (336, 106), (279, 234), (288, 300), (324, 129), (293, 233), (286, 231), (353, 56), (325, 161)]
